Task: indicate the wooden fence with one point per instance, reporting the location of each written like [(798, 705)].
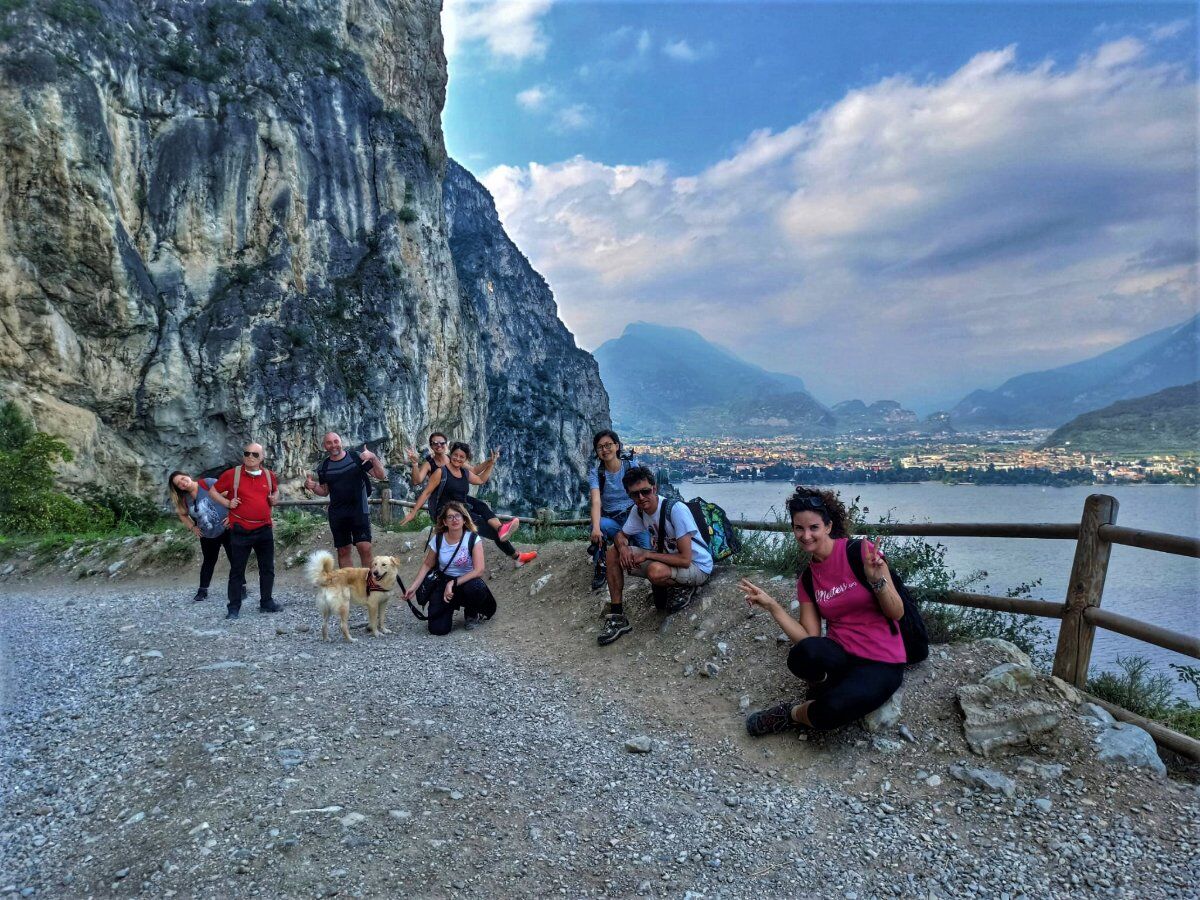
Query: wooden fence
[(1079, 614)]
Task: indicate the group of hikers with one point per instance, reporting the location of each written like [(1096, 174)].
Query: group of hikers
[(847, 590)]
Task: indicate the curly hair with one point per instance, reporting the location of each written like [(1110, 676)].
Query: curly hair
[(453, 506), (831, 509), (459, 445)]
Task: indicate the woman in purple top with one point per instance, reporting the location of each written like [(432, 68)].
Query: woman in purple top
[(859, 662)]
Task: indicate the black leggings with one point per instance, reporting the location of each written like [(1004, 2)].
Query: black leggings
[(474, 597), (854, 686), (210, 549), (480, 513)]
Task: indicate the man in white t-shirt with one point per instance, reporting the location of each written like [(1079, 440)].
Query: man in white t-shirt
[(676, 564)]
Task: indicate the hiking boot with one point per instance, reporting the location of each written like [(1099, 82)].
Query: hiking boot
[(599, 578), (681, 599), (474, 622), (272, 606), (523, 558), (201, 594), (772, 720), (231, 614), (508, 529), (615, 625)]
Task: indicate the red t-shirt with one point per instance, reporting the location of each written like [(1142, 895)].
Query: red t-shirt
[(851, 612), (254, 511)]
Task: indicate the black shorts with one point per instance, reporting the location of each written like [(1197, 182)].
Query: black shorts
[(352, 529)]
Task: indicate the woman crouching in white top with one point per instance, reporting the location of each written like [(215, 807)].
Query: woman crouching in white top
[(456, 554)]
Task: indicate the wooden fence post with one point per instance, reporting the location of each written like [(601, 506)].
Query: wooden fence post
[(385, 505), (1076, 635)]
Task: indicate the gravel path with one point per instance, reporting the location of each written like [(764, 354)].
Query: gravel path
[(151, 748)]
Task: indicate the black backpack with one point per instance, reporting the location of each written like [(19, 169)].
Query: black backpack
[(911, 626), (323, 469)]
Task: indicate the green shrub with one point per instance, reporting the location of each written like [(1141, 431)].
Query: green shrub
[(1150, 694), (126, 508), (73, 12), (40, 512), (175, 549), (293, 526)]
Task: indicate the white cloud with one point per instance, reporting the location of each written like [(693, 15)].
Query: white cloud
[(931, 236), (533, 98), (575, 117), (682, 51), (510, 29), (643, 42)]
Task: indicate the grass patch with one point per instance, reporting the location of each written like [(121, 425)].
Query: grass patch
[(176, 548), (1151, 694), (532, 534), (293, 526), (420, 523)]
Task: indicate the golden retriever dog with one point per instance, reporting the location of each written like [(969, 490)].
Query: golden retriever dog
[(338, 588)]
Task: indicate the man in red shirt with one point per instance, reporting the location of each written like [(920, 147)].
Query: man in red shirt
[(249, 491)]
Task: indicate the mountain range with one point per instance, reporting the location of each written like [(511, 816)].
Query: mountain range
[(665, 380), (1163, 359), (1163, 422)]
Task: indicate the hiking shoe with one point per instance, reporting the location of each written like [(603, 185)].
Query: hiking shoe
[(599, 578), (615, 625), (201, 594), (772, 720), (508, 529), (474, 622), (681, 599), (270, 607), (523, 558), (231, 614)]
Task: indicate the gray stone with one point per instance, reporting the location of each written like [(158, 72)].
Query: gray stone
[(887, 715), (1001, 721), (1043, 804), (538, 586), (934, 780), (1096, 713), (1124, 743), (152, 654), (1041, 771), (1068, 691), (710, 670), (351, 819), (638, 744), (886, 745), (744, 702), (116, 567), (1007, 649), (987, 779), (906, 733), (1011, 677), (399, 815)]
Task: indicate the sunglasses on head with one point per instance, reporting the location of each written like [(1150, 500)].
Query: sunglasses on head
[(641, 492), (251, 453), (808, 502)]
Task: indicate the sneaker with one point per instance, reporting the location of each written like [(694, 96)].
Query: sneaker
[(474, 622), (231, 614), (681, 599), (615, 625), (523, 558), (201, 594), (772, 720), (599, 578), (508, 529), (270, 607)]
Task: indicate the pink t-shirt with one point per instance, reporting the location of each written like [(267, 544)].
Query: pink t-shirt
[(851, 612)]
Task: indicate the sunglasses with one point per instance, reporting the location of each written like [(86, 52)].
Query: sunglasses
[(641, 492), (251, 453), (808, 503), (437, 443)]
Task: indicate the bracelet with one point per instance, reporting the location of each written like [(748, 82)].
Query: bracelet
[(877, 586)]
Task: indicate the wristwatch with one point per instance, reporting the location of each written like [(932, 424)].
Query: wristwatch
[(877, 586)]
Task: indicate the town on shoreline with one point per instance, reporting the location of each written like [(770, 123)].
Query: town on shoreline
[(994, 457)]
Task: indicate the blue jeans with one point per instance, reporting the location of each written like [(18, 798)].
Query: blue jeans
[(610, 525)]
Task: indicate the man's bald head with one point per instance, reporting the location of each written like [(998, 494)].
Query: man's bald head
[(332, 442)]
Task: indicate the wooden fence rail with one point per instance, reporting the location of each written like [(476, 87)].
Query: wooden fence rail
[(1079, 613)]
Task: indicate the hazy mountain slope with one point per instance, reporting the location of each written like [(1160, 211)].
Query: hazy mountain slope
[(1168, 421), (1039, 399)]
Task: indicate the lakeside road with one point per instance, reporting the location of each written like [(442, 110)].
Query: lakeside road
[(152, 749)]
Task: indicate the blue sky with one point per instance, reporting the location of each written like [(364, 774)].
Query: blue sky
[(1000, 187)]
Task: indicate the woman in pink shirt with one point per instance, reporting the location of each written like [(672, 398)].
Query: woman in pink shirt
[(859, 662)]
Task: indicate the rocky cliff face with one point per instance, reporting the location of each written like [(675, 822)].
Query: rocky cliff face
[(544, 393), (224, 220)]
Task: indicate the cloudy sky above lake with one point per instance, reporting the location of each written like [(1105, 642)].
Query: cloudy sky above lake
[(906, 201)]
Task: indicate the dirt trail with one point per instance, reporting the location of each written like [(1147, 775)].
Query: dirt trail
[(153, 748)]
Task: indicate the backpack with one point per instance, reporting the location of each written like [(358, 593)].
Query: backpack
[(716, 533), (911, 626), (237, 480)]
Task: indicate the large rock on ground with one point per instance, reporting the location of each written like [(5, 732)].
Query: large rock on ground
[(1123, 743), (1005, 711)]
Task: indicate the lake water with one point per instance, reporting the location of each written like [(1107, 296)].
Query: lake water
[(1155, 587)]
